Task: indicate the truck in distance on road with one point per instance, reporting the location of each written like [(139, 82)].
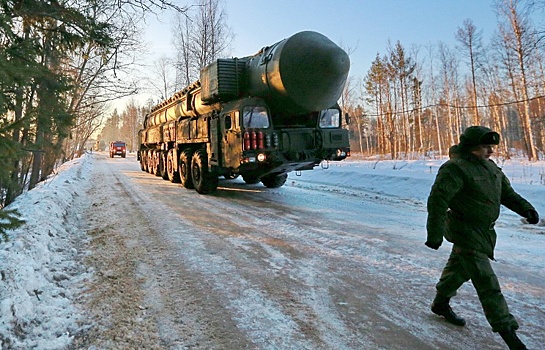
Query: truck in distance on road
[(118, 148)]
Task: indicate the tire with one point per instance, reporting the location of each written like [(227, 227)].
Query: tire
[(250, 179), (172, 173), (274, 181), (205, 182), (157, 163), (146, 161), (184, 168), (163, 165), (142, 161), (151, 162)]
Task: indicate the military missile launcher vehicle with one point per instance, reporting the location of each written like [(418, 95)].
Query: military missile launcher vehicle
[(259, 117)]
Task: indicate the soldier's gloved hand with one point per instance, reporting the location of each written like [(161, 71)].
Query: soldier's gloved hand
[(433, 245), (532, 216)]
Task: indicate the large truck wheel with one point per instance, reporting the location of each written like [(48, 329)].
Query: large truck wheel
[(157, 163), (172, 172), (250, 179), (274, 181), (150, 163), (142, 161), (184, 167), (146, 161), (163, 165), (151, 160), (204, 181)]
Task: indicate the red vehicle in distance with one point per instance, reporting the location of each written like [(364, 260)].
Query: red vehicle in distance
[(118, 148)]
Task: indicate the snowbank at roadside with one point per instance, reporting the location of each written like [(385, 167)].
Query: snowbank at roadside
[(412, 179), (40, 267)]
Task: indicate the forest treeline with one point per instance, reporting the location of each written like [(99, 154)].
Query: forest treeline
[(417, 101), (63, 62)]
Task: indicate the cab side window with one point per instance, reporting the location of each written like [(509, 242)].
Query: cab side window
[(228, 122), (330, 118)]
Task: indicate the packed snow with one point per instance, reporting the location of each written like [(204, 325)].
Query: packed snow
[(41, 273)]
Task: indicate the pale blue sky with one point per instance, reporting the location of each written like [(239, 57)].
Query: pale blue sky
[(364, 26)]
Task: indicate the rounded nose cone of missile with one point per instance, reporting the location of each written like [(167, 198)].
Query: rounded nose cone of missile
[(313, 70)]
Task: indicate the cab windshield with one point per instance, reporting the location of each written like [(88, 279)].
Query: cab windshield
[(330, 118), (255, 117)]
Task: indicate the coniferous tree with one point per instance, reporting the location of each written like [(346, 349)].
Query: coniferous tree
[(9, 220)]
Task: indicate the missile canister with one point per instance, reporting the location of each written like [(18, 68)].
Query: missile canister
[(303, 73)]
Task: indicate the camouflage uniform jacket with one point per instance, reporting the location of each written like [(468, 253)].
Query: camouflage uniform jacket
[(465, 200)]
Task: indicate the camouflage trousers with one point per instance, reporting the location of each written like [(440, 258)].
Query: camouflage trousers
[(464, 265)]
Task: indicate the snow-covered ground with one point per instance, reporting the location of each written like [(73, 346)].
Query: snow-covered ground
[(45, 254)]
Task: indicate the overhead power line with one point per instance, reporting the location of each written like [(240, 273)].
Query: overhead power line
[(454, 106)]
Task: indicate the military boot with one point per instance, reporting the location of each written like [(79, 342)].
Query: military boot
[(441, 307), (511, 339)]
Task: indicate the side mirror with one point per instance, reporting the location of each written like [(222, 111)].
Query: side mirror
[(346, 118)]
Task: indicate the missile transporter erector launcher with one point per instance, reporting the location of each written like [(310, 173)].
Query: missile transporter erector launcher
[(259, 117)]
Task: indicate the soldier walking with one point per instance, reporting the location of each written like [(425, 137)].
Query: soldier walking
[(463, 206)]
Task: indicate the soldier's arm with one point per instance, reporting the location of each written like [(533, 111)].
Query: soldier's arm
[(512, 199), (448, 183)]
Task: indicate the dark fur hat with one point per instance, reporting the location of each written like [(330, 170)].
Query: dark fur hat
[(479, 135)]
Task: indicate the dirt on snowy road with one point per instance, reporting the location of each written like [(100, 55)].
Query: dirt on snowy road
[(256, 268)]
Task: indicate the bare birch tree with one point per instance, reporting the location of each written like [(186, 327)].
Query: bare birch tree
[(202, 36), (449, 67), (520, 39), (163, 84), (96, 71), (471, 40), (131, 120)]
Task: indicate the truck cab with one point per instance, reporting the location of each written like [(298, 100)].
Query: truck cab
[(256, 144)]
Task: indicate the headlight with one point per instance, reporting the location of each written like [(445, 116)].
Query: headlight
[(261, 157)]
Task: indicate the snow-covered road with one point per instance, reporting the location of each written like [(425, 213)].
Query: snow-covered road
[(333, 260)]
